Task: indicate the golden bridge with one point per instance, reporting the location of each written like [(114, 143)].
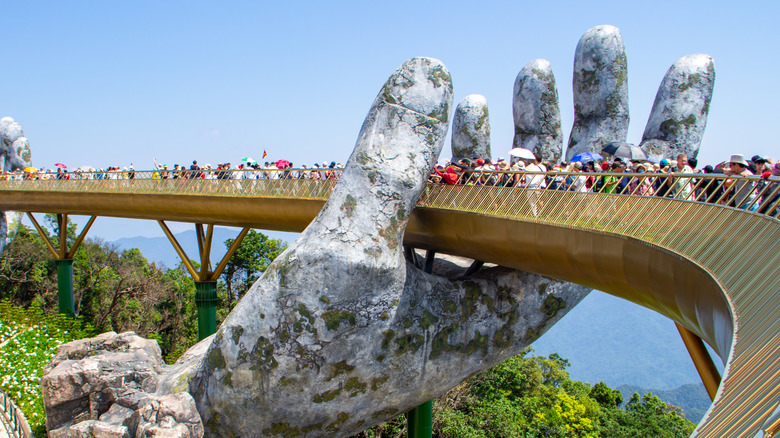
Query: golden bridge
[(709, 267)]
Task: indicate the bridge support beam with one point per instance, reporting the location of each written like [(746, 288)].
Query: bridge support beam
[(65, 286), (419, 421), (205, 278), (206, 301), (63, 258), (702, 360)]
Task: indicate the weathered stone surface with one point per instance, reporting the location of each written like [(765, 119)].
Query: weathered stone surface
[(471, 129), (96, 429), (172, 415), (86, 377), (680, 110), (600, 91), (14, 154), (536, 112), (341, 332), (176, 377), (117, 415)]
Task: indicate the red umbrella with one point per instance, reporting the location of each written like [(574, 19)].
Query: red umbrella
[(61, 165), (282, 164)]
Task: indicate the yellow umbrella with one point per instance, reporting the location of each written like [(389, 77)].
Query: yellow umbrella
[(30, 169)]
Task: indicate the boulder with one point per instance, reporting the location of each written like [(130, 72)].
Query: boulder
[(98, 386), (536, 112), (172, 415), (96, 429)]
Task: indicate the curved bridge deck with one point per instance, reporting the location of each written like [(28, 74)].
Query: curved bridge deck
[(713, 269)]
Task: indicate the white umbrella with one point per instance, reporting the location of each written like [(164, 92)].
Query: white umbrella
[(521, 153)]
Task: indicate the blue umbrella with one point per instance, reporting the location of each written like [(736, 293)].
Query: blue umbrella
[(587, 156)]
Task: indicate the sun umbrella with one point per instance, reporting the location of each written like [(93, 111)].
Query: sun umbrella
[(249, 160), (30, 169), (624, 150), (521, 153), (586, 156), (61, 165), (282, 164)]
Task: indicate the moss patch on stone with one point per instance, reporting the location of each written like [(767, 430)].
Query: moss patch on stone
[(377, 382), (326, 396), (348, 206), (354, 386), (409, 342), (389, 335), (334, 427), (216, 359), (440, 345), (334, 317), (552, 305), (340, 368), (428, 319)]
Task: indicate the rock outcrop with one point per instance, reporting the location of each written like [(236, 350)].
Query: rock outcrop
[(679, 114), (107, 387), (600, 87), (536, 112), (471, 129)]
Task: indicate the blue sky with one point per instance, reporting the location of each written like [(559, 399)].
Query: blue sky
[(113, 83)]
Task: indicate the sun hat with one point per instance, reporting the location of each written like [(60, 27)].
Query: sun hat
[(738, 159)]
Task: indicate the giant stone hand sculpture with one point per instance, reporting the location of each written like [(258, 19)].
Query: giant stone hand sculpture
[(600, 87), (14, 154), (341, 332)]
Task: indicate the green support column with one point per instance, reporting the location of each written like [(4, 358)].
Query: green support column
[(206, 300), (419, 421), (65, 285)]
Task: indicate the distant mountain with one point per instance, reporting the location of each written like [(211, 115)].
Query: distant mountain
[(620, 343), (692, 398), (160, 250)]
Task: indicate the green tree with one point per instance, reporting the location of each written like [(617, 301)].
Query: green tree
[(645, 416), (251, 259), (606, 396)]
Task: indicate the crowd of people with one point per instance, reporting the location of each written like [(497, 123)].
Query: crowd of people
[(680, 178)]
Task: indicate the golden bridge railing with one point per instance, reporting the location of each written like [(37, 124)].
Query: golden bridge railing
[(753, 193), (698, 218)]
